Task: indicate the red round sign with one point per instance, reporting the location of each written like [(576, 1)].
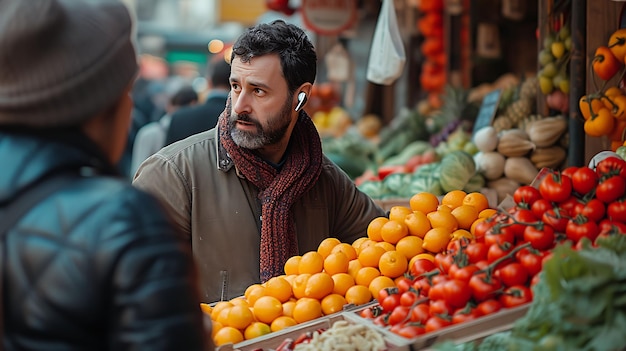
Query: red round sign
[(328, 17)]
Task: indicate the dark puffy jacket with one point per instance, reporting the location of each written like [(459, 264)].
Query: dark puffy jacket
[(95, 266)]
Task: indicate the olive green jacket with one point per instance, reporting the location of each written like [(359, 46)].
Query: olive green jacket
[(218, 211)]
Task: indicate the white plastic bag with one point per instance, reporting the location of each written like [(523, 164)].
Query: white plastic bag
[(387, 57)]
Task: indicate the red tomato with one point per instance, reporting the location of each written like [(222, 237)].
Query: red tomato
[(526, 195), (400, 314), (496, 252), (476, 252), (488, 307), (611, 189), (569, 171), (513, 274), (520, 219), (555, 187), (532, 260), (515, 296), (594, 209), (584, 180), (484, 287), (440, 307), (616, 211), (580, 227), (408, 298), (612, 227), (422, 286), (408, 331), (420, 313), (464, 315), (421, 266), (556, 217), (456, 292), (482, 227), (443, 261), (571, 204), (500, 235), (540, 237), (464, 273), (390, 302), (435, 323), (404, 284), (611, 166), (540, 207)]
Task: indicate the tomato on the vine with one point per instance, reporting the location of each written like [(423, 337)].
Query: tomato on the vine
[(616, 211), (610, 226), (456, 292), (569, 171), (594, 209), (440, 307), (420, 313), (390, 302), (555, 187), (399, 314), (580, 227), (488, 307), (465, 314), (611, 189), (495, 252), (516, 295), (584, 180), (422, 286), (407, 330), (521, 219), (408, 298), (611, 166), (476, 252), (443, 261), (435, 323), (525, 195), (556, 217), (499, 235), (540, 207), (462, 273), (403, 283), (482, 227), (513, 274), (421, 266), (484, 287), (532, 260), (540, 237)]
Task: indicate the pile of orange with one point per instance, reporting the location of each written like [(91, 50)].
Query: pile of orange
[(321, 282)]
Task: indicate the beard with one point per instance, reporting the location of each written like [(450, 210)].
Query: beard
[(273, 132)]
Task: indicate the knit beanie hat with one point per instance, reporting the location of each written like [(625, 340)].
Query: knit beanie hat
[(62, 61)]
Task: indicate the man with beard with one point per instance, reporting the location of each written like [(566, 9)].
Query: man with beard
[(257, 189)]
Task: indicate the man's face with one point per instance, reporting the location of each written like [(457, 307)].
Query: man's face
[(261, 105)]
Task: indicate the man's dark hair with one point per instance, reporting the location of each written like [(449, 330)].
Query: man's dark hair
[(297, 54), (219, 73), (184, 96)]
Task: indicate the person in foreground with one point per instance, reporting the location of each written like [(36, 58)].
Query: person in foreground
[(95, 264), (257, 189)]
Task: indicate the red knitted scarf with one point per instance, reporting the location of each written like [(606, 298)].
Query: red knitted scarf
[(278, 190)]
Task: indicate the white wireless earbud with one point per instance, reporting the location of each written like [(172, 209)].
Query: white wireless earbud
[(301, 100)]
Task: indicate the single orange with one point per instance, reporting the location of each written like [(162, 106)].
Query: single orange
[(333, 303), (358, 295), (307, 309), (442, 219), (387, 246), (373, 228), (417, 223), (454, 198), (410, 246), (365, 275), (353, 267), (256, 329), (336, 262), (488, 212), (319, 285), (240, 317), (311, 262), (365, 244), (436, 240), (393, 231), (267, 308), (298, 286), (278, 287), (476, 199), (465, 215), (379, 283), (228, 335), (347, 249), (288, 308), (255, 293), (283, 322), (222, 317), (342, 282), (326, 246), (424, 202), (218, 307), (291, 266), (393, 264), (370, 256), (398, 213)]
